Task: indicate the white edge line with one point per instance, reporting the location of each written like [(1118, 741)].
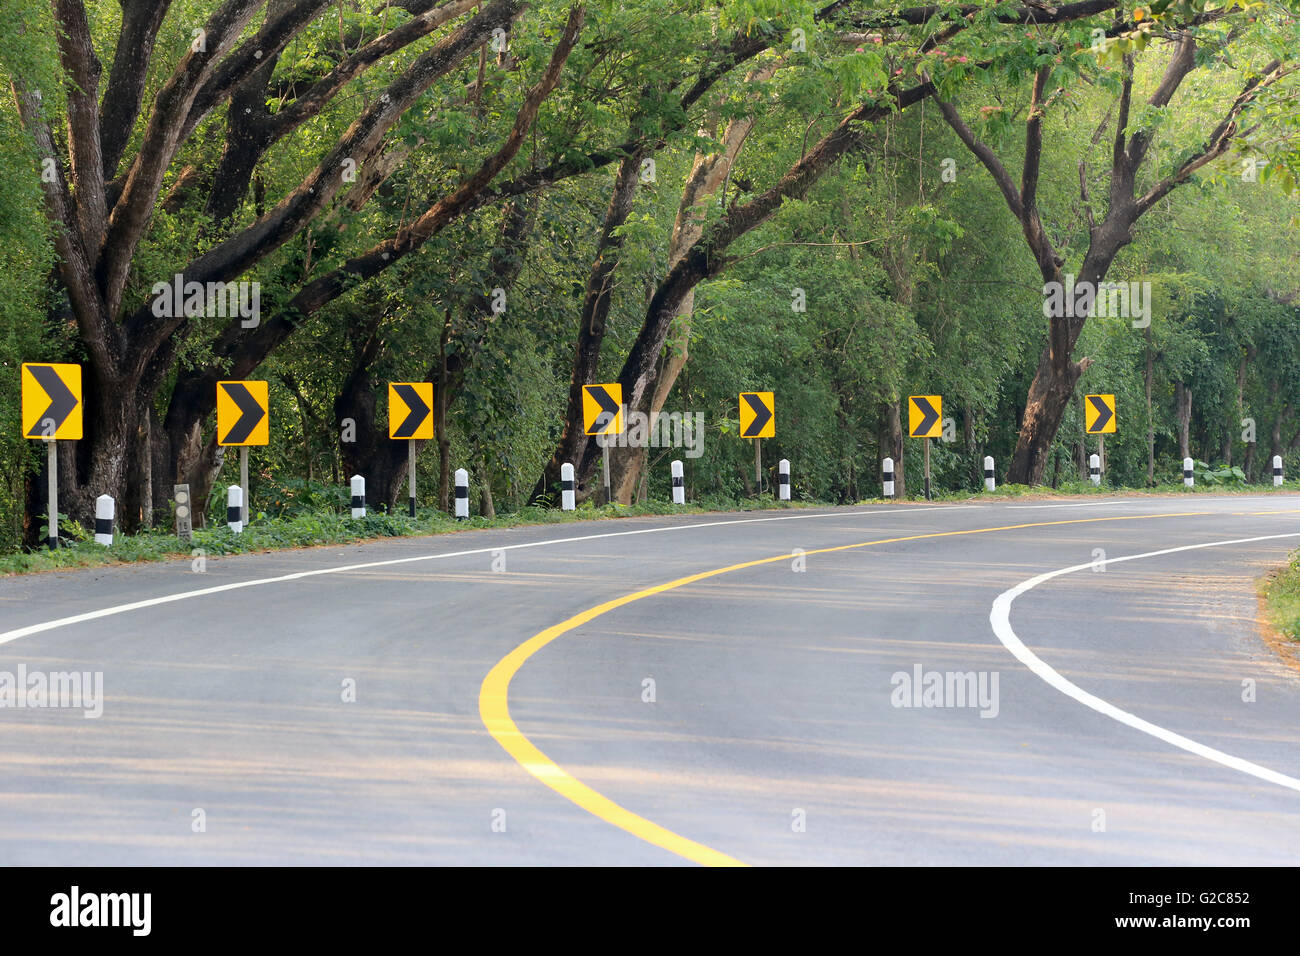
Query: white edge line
[(1000, 618), (8, 636)]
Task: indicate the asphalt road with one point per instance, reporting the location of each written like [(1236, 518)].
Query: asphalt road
[(1131, 713)]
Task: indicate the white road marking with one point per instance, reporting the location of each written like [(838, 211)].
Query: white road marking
[(8, 636), (1000, 618)]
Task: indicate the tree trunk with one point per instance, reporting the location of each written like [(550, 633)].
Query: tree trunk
[(440, 389), (575, 446), (1183, 401), (1151, 421), (486, 505), (890, 445), (1049, 394)]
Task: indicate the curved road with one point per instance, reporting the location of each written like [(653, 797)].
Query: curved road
[(1125, 712)]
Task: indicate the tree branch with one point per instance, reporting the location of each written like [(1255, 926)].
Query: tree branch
[(986, 156), (83, 70), (1221, 137), (161, 138), (141, 20)]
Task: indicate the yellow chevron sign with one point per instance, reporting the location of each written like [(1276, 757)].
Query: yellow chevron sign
[(52, 401), (925, 416), (602, 409), (757, 415), (1099, 414)]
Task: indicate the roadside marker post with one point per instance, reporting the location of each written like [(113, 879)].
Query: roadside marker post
[(925, 420), (990, 483), (679, 483), (235, 508), (462, 493), (1094, 469), (1188, 480), (887, 471), (567, 488), (783, 479), (51, 412), (184, 515), (104, 511), (358, 496), (1277, 471)]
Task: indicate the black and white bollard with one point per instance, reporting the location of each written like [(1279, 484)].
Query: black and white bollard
[(104, 510), (783, 479), (566, 487), (1094, 469), (235, 508), (358, 496), (990, 483), (1188, 480), (462, 493), (679, 483), (1277, 471), (888, 472)]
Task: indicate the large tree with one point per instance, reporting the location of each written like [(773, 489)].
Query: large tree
[(1133, 184)]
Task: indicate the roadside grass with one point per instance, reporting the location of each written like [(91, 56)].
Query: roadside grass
[(1281, 597), (312, 529), (323, 526)]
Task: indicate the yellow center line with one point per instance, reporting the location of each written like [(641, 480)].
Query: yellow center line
[(494, 695)]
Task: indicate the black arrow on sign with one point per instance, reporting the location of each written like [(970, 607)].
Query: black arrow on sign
[(250, 413), (761, 416), (608, 407), (931, 416), (419, 411), (1104, 414), (62, 401)]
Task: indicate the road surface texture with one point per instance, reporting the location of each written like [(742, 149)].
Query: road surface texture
[(594, 693)]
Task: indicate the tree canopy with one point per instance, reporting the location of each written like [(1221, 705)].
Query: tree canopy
[(843, 203)]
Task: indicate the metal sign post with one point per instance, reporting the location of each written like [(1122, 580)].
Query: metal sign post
[(410, 466), (53, 469), (243, 483), (927, 471), (604, 466)]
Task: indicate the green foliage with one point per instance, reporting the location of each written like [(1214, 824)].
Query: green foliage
[(911, 280), (1281, 594)]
